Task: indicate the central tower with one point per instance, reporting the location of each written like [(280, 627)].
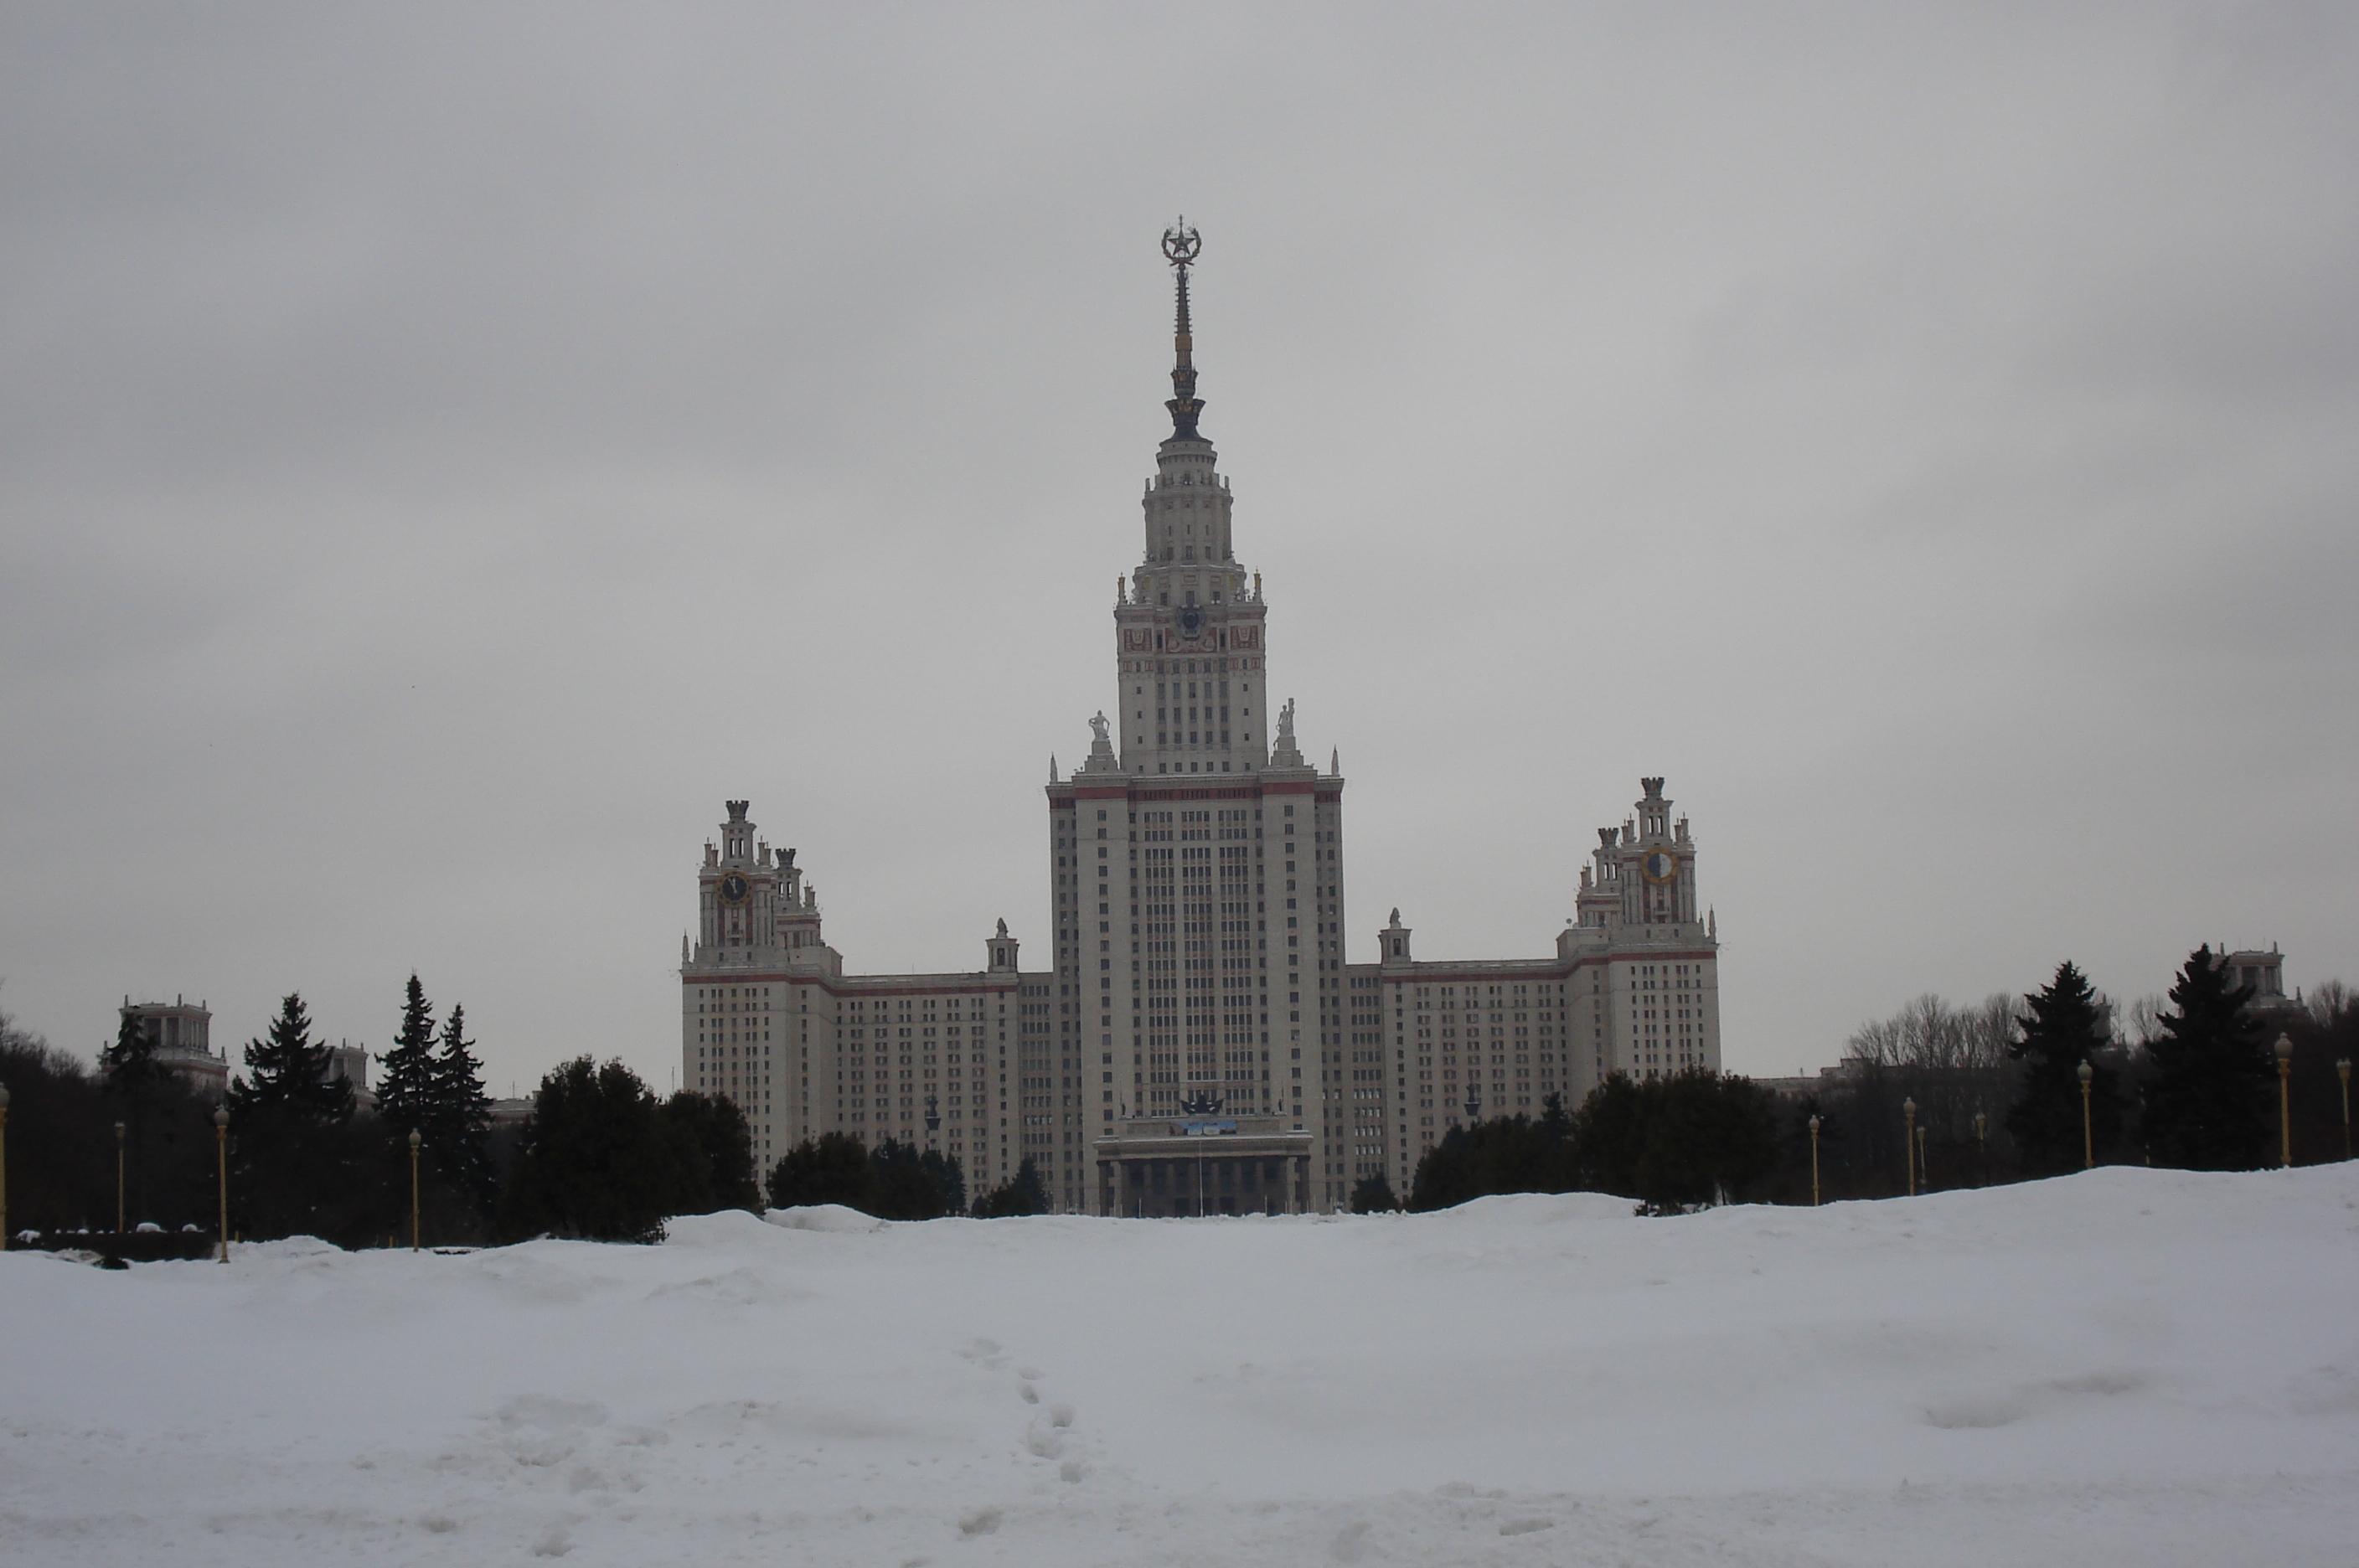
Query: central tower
[(1197, 880)]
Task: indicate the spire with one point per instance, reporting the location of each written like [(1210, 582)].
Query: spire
[(1180, 246)]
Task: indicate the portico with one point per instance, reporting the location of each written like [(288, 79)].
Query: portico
[(1167, 1167)]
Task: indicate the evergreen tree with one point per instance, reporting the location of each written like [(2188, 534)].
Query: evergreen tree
[(1710, 1138), (2067, 1026), (1374, 1195), (713, 1151), (1445, 1174), (949, 1177), (288, 1072), (596, 1162), (1555, 1124), (459, 1115), (914, 1186), (2208, 1094), (1609, 1135), (144, 1096), (407, 1097), (1021, 1195), (299, 1163), (833, 1169), (129, 1065), (1508, 1154)]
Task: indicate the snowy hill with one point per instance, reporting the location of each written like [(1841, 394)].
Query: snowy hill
[(2140, 1366)]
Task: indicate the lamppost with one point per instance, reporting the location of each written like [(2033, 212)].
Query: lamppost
[(933, 1119), (1982, 1150), (221, 1164), (415, 1143), (1473, 1105), (2087, 1074), (1924, 1158), (2342, 1070), (1908, 1150), (2285, 1101), (4, 1167), (118, 1178), (1814, 1160)]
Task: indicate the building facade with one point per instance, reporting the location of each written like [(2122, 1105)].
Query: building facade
[(1198, 1037), (179, 1033)]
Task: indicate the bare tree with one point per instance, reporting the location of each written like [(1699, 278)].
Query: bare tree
[(2138, 1023)]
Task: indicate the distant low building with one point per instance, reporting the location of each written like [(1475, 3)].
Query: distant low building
[(2265, 973), (350, 1062), (1804, 1086), (179, 1033)]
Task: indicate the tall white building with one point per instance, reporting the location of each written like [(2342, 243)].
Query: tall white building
[(1199, 1042)]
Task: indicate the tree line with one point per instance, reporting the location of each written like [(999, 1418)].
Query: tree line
[(602, 1158), (1671, 1142), (2187, 1080), (1994, 1089), (303, 1155)]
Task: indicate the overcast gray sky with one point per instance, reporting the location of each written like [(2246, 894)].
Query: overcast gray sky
[(448, 450)]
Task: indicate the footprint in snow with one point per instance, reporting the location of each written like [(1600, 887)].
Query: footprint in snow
[(1351, 1542), (1044, 1438)]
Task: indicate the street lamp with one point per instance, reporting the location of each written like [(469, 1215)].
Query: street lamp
[(2342, 1070), (933, 1119), (415, 1143), (221, 1164), (1908, 1150), (118, 1178), (1814, 1160), (2087, 1074), (2285, 1100), (4, 1167), (1982, 1150), (1473, 1105)]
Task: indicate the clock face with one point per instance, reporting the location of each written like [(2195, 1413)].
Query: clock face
[(1658, 867), (732, 889), (1191, 620)]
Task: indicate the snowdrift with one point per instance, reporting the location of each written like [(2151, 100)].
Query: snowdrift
[(2129, 1365)]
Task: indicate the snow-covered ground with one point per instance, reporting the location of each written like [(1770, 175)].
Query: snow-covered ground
[(2130, 1367)]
